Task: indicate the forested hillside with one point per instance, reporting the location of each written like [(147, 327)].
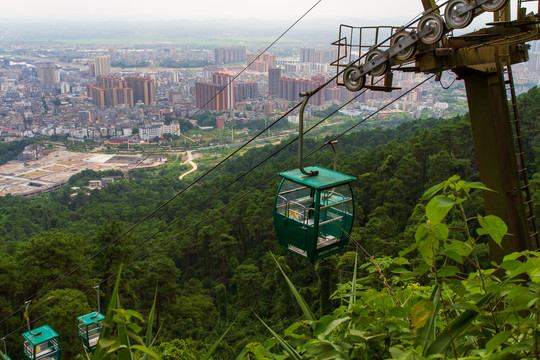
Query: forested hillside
[(208, 250)]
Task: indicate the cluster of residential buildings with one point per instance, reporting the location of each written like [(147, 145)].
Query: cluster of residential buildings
[(82, 93)]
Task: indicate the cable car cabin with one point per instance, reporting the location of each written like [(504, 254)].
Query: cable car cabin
[(89, 329), (41, 344), (313, 215)]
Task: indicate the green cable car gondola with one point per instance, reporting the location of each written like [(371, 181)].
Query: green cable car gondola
[(41, 343), (313, 208), (4, 354), (89, 327)]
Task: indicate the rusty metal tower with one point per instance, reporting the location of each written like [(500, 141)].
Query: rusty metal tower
[(483, 59)]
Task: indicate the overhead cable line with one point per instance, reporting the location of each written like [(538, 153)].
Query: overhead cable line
[(240, 73), (221, 209), (69, 273), (38, 294)]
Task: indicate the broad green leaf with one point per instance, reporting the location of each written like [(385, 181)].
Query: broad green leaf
[(303, 305), (420, 313), (324, 327), (460, 247), (453, 255), (448, 271), (432, 191), (475, 185), (428, 237), (438, 208), (497, 340), (493, 226)]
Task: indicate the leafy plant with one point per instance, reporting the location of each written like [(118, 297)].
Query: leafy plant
[(433, 310), (119, 328)]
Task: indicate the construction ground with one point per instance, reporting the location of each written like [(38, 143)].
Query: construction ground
[(54, 170)]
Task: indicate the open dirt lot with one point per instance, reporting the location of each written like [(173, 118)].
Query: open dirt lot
[(55, 169)]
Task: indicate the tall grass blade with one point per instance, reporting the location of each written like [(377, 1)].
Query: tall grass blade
[(124, 353), (242, 354), (457, 326), (429, 331), (303, 305), (216, 344), (101, 351), (148, 341), (352, 298), (288, 348)]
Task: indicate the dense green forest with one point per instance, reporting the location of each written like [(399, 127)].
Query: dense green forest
[(209, 250)]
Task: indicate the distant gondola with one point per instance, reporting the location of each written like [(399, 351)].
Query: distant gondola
[(41, 343), (89, 327)]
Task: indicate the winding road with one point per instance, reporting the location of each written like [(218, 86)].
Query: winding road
[(189, 161)]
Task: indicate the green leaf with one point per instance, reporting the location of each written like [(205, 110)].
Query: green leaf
[(493, 226), (475, 185), (326, 325), (303, 305), (146, 351), (420, 313), (428, 332), (433, 190), (352, 298), (460, 247), (457, 326), (288, 349), (214, 347), (497, 340), (428, 237), (438, 208), (148, 341)]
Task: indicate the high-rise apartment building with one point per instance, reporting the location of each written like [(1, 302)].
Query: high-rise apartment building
[(226, 80), (143, 89), (219, 95), (228, 55), (260, 62), (290, 89), (246, 90), (316, 56), (208, 96), (46, 72), (110, 91), (274, 74), (102, 65)]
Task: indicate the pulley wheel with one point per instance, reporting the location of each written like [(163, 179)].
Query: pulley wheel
[(454, 20), (493, 5), (408, 51), (379, 69), (352, 79), (436, 23)]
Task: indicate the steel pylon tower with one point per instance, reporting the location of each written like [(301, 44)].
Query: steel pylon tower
[(483, 59)]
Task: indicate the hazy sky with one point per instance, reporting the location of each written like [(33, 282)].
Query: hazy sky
[(209, 9)]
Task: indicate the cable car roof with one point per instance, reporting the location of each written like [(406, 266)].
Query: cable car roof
[(91, 318), (45, 333), (325, 179)]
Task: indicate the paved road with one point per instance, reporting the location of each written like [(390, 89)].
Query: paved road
[(190, 162)]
